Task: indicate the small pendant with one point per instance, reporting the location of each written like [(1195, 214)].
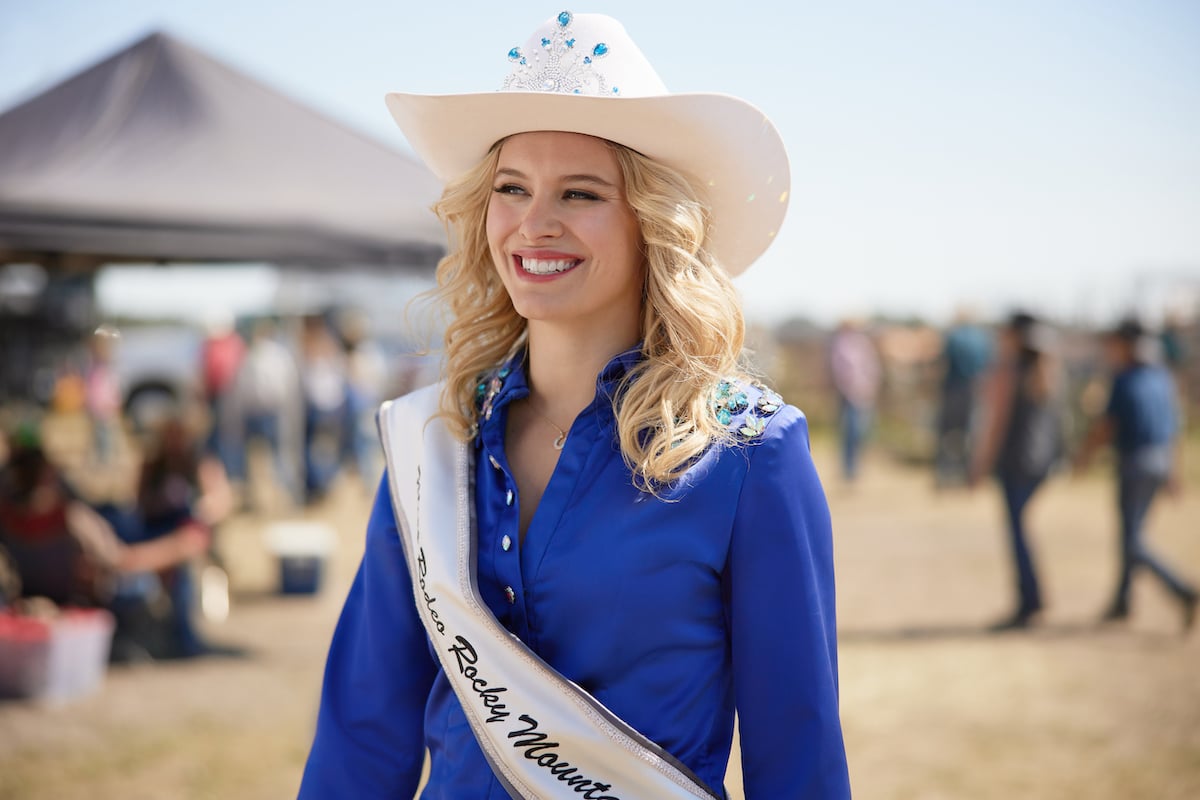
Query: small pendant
[(559, 441)]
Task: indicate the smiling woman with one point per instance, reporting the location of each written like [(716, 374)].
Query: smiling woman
[(597, 538)]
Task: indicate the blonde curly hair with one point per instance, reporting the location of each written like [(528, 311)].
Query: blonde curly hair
[(692, 328)]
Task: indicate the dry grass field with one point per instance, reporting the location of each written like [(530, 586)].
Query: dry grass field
[(934, 706)]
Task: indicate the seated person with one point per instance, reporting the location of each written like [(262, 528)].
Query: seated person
[(64, 550), (177, 489)]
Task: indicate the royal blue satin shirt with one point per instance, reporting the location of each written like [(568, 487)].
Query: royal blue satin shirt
[(671, 611)]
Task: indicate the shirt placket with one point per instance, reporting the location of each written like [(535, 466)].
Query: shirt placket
[(502, 501)]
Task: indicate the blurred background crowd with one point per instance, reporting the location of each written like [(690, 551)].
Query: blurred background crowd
[(114, 482), (128, 432)]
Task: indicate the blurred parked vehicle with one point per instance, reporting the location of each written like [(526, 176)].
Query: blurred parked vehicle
[(158, 367)]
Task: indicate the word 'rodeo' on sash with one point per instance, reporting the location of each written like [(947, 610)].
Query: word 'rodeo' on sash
[(543, 736)]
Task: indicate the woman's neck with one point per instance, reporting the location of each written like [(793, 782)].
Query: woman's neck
[(563, 366)]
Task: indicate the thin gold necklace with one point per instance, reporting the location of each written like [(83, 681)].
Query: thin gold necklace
[(561, 439)]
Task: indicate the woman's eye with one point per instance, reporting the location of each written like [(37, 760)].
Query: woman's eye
[(508, 188), (576, 194)]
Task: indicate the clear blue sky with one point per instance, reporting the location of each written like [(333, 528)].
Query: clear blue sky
[(1035, 152)]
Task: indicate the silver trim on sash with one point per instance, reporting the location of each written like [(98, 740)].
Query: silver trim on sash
[(544, 736)]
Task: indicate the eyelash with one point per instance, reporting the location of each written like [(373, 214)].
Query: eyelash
[(570, 194)]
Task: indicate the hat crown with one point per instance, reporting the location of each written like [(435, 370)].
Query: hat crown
[(583, 54)]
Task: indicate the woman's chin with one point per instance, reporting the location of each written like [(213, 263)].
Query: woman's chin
[(542, 310)]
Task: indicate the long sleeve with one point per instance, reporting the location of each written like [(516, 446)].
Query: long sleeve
[(781, 596), (369, 741)]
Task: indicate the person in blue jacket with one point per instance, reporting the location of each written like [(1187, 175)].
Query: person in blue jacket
[(1141, 422), (648, 520)]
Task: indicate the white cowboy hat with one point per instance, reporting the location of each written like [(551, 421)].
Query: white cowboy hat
[(581, 73)]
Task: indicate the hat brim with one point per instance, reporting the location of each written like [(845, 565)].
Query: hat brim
[(726, 145)]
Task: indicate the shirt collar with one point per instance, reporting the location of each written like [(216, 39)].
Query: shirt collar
[(617, 368), (510, 383)]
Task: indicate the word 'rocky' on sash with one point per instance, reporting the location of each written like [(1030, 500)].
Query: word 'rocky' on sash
[(467, 658)]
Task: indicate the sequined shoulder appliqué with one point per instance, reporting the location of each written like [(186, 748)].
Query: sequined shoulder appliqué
[(744, 408)]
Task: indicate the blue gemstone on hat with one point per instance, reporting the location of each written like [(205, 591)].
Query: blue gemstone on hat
[(514, 54), (600, 50), (564, 18), (616, 90), (587, 59), (571, 42), (577, 91), (545, 42), (523, 62)]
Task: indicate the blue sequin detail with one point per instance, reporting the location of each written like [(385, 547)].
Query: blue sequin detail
[(545, 42), (564, 18), (587, 59), (752, 426), (732, 407), (769, 402), (570, 42), (600, 50), (514, 54), (486, 391)]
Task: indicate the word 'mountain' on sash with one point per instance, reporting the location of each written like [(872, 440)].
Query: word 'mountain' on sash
[(543, 736)]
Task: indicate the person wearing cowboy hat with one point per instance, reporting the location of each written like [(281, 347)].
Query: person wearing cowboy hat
[(597, 538)]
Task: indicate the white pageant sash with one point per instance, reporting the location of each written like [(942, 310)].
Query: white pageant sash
[(544, 736)]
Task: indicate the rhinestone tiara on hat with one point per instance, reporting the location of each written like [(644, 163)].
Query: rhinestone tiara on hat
[(557, 65), (585, 54)]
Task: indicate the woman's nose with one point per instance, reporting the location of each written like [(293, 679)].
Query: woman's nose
[(541, 219)]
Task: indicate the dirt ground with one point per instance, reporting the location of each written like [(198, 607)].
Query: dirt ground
[(933, 706)]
